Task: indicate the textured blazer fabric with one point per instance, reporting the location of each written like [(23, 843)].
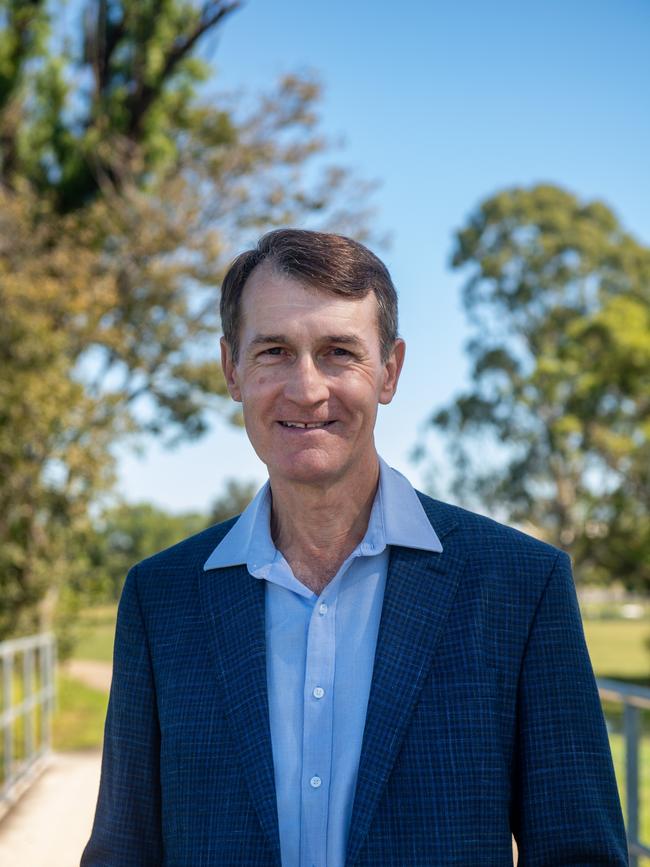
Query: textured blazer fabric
[(483, 719)]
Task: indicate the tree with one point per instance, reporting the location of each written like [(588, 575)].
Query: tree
[(127, 533), (124, 189), (236, 496), (554, 431)]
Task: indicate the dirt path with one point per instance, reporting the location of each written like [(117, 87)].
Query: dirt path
[(51, 823), (94, 674)]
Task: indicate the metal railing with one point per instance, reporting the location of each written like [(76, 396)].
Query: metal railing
[(26, 707), (634, 699)]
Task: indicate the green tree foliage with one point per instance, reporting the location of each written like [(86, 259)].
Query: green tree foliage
[(129, 532), (125, 186), (236, 496), (554, 430), (126, 533)]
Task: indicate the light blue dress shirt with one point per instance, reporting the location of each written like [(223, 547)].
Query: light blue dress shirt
[(320, 652)]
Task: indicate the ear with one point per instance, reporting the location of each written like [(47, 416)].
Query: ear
[(230, 371), (392, 370)]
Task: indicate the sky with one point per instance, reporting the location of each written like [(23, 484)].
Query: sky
[(443, 104)]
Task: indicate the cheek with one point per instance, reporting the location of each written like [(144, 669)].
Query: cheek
[(259, 393), (256, 386)]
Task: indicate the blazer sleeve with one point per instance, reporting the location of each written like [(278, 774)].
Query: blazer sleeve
[(127, 827), (565, 807)]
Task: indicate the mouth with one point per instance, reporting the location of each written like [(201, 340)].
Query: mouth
[(306, 425)]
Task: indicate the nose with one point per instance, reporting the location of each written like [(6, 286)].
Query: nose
[(306, 384)]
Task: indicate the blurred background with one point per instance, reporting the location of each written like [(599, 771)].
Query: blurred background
[(494, 155)]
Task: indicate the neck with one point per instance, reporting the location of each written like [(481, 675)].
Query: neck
[(316, 528)]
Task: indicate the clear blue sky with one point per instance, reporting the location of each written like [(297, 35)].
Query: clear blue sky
[(443, 103)]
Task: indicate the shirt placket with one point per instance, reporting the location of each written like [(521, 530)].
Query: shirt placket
[(317, 730)]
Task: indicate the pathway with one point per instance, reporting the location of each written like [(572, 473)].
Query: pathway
[(51, 823), (94, 674)]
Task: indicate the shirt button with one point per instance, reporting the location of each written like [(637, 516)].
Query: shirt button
[(322, 609), (318, 692), (315, 782)]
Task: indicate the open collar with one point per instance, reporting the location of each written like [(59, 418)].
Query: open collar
[(397, 518)]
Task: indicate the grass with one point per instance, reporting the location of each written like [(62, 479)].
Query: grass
[(617, 649), (81, 710), (79, 719), (96, 632)]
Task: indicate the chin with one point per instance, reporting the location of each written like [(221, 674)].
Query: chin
[(306, 469)]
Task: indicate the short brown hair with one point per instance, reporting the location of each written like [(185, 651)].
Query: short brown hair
[(331, 263)]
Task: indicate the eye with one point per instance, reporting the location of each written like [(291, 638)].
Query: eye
[(340, 352), (273, 350)]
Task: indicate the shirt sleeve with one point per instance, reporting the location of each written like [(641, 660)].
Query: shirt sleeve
[(127, 827)]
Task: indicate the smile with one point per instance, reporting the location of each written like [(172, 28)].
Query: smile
[(306, 425)]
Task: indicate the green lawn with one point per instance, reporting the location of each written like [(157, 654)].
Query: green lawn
[(96, 632), (617, 649), (79, 719), (80, 713)]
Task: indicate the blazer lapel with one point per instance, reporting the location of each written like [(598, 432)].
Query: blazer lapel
[(233, 606), (420, 589)]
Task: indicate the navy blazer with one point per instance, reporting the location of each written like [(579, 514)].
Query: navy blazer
[(483, 719)]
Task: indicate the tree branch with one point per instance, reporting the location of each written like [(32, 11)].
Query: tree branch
[(210, 18)]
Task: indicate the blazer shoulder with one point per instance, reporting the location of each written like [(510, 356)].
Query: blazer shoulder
[(479, 533)]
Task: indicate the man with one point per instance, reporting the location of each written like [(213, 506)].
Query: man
[(350, 672)]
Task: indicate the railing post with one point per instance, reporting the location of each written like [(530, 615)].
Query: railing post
[(7, 690), (46, 685), (19, 708), (632, 728), (635, 699), (28, 695)]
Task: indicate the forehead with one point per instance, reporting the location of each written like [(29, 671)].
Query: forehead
[(270, 298)]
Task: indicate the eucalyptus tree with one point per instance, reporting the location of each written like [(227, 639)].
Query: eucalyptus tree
[(554, 429)]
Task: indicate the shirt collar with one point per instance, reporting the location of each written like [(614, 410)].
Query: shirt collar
[(397, 518)]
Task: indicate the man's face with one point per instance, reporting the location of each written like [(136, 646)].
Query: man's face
[(308, 357)]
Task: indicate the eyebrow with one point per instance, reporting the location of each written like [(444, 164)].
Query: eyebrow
[(268, 338), (345, 339)]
